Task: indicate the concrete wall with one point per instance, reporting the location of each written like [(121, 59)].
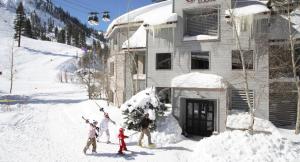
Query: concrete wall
[(117, 55)]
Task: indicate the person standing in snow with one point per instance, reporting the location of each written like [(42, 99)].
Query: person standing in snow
[(92, 137), (122, 143), (145, 130), (104, 127)]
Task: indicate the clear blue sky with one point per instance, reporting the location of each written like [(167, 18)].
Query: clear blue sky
[(81, 8)]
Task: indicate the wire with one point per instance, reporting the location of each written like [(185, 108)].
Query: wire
[(79, 4)]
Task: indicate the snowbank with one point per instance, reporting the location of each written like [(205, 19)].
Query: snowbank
[(239, 119), (240, 145), (198, 80), (137, 40), (167, 131)]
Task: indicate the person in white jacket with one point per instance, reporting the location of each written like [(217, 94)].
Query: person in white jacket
[(104, 126)]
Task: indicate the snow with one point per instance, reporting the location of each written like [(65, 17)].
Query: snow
[(236, 145), (200, 37), (198, 80), (140, 100), (248, 10), (153, 14), (46, 125), (240, 120), (137, 40)]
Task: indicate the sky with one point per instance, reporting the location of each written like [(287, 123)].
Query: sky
[(81, 8)]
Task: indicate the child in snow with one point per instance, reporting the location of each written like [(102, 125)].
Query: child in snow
[(92, 136), (122, 143), (104, 126)]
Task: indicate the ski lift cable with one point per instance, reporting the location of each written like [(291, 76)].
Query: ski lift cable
[(79, 4), (72, 6)]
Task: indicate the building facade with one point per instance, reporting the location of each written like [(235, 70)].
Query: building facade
[(190, 47)]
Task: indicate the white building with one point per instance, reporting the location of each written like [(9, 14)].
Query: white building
[(188, 50)]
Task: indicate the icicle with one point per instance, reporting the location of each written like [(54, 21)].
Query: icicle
[(153, 33)]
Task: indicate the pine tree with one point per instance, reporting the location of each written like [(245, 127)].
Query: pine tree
[(19, 23), (62, 36), (134, 118), (69, 34), (28, 29), (56, 32)]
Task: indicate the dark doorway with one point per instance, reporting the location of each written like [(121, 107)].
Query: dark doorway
[(200, 117)]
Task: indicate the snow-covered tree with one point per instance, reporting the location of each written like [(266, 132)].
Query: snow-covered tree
[(135, 109)]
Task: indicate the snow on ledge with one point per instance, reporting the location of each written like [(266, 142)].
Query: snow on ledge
[(200, 37), (198, 80), (248, 10), (137, 40), (153, 14)]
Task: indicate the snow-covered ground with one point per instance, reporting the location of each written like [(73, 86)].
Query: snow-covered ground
[(46, 125)]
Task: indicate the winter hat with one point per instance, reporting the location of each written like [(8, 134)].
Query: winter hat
[(106, 115), (121, 130), (95, 122)]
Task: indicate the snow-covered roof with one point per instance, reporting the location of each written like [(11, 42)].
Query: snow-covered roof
[(137, 40), (198, 80), (295, 19), (154, 14), (246, 7)]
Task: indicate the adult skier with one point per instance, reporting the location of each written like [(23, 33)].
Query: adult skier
[(104, 126), (92, 136), (145, 130)]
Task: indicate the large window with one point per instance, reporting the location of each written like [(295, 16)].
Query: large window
[(199, 60), (202, 21), (163, 61), (237, 62)]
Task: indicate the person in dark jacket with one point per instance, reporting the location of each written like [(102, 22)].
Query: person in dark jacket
[(145, 130)]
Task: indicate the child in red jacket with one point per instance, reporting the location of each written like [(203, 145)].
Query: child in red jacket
[(121, 141)]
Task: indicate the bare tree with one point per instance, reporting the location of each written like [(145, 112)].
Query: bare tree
[(245, 73), (294, 68), (12, 70)]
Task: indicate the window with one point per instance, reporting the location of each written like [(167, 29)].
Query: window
[(199, 60), (111, 68), (202, 21), (239, 99), (163, 61), (262, 26), (237, 62), (139, 64), (164, 94)]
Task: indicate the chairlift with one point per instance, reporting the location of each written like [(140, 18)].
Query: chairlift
[(93, 18), (105, 16)]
